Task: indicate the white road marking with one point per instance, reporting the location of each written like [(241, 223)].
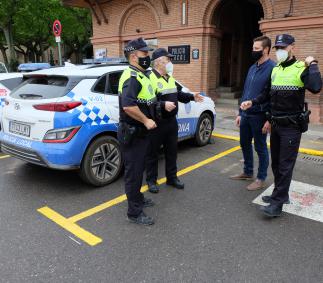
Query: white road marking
[(306, 200), (75, 240)]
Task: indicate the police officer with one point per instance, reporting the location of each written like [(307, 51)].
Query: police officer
[(137, 101), (166, 133), (289, 116)]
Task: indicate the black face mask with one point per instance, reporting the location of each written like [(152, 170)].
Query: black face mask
[(144, 62), (256, 55)]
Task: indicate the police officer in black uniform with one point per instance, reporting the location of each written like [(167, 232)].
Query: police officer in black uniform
[(289, 115), (137, 103), (166, 133)]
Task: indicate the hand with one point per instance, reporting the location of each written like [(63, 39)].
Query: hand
[(246, 105), (266, 129), (238, 120), (150, 124), (308, 60), (198, 97), (170, 106)]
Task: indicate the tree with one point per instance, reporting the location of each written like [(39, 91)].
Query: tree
[(7, 12), (26, 26)]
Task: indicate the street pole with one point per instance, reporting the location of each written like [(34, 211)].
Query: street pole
[(59, 53)]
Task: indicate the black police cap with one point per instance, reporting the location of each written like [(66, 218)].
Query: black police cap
[(283, 40), (137, 44), (161, 52)]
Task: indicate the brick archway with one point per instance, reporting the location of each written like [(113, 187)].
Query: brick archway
[(139, 6), (213, 5)]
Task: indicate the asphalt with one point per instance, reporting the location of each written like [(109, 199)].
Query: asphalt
[(209, 232)]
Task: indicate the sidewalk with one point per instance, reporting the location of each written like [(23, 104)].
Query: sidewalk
[(227, 110)]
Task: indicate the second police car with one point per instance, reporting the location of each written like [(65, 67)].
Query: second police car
[(67, 118)]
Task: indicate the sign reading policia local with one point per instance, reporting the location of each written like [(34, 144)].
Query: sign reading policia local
[(182, 54)]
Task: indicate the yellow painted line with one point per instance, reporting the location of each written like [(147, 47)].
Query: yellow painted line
[(122, 198), (4, 156), (73, 228), (301, 149)]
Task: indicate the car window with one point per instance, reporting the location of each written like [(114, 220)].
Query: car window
[(100, 84), (11, 83), (113, 82), (41, 87)]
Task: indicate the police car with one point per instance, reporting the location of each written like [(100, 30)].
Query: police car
[(67, 118)]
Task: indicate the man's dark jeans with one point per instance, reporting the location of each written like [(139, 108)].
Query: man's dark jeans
[(251, 128)]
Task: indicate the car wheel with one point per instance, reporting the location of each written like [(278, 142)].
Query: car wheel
[(102, 162), (204, 129)]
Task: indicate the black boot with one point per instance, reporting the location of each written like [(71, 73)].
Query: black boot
[(152, 187), (272, 210), (176, 183), (148, 202), (267, 199), (141, 219)]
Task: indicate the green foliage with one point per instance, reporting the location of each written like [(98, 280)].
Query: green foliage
[(32, 22)]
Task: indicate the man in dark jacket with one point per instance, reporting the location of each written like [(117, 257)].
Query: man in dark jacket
[(252, 122)]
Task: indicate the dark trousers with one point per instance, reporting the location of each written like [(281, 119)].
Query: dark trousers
[(284, 145), (251, 128), (134, 156), (165, 134)]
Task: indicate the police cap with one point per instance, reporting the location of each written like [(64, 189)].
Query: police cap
[(137, 44), (161, 52), (283, 40)]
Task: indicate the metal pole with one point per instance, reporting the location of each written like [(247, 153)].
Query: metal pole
[(59, 53)]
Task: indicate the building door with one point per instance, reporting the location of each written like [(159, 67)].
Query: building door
[(238, 22), (226, 52)]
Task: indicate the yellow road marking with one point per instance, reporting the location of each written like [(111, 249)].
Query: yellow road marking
[(4, 156), (301, 149), (70, 225), (73, 228), (122, 198)]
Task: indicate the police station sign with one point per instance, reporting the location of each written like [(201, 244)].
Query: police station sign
[(182, 54)]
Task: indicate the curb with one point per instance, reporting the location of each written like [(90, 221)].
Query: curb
[(308, 151)]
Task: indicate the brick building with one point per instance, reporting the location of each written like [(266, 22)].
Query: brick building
[(216, 34)]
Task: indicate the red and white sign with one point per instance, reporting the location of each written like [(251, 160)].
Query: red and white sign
[(57, 28)]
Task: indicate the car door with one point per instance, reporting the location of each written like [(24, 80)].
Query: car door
[(112, 95), (186, 117)]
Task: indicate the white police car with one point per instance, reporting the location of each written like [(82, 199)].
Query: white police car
[(67, 118)]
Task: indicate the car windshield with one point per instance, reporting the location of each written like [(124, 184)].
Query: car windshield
[(41, 87)]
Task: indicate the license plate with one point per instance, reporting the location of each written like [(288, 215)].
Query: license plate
[(20, 129)]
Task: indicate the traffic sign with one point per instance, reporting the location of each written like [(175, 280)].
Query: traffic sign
[(57, 28), (58, 39)]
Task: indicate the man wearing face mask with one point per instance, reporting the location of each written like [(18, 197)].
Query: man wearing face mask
[(289, 115), (253, 123), (166, 133), (137, 102)]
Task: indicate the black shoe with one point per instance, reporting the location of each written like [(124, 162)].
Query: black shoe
[(148, 202), (272, 210), (175, 183), (267, 199), (142, 219), (153, 188)]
